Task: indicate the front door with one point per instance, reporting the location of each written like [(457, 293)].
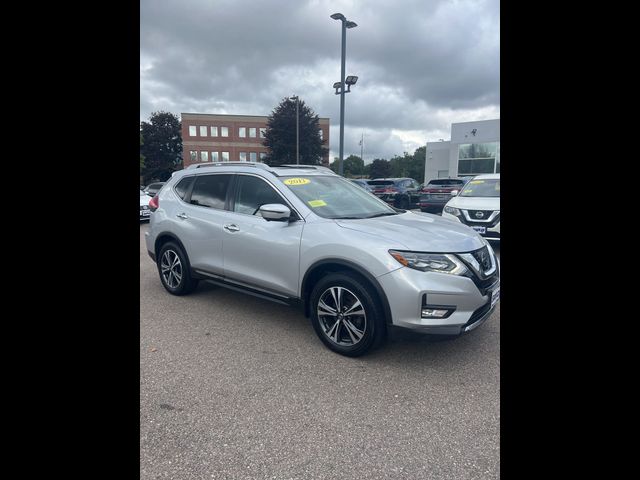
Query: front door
[(260, 253)]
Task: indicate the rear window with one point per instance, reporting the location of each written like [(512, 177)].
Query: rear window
[(446, 183), (183, 186), (380, 182)]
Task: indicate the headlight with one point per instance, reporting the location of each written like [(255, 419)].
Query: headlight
[(430, 262), (452, 211)]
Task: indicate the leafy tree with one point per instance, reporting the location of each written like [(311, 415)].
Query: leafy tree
[(411, 166), (379, 168), (280, 136), (162, 148), (141, 156), (352, 166)]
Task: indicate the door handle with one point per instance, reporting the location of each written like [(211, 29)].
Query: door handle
[(182, 215), (230, 227)]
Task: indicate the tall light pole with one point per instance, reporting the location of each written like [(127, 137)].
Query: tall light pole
[(345, 24), (295, 97)]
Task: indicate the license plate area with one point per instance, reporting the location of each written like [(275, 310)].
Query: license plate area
[(479, 229)]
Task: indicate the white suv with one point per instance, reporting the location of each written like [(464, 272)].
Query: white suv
[(478, 206)]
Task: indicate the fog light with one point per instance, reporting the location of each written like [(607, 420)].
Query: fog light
[(434, 313)]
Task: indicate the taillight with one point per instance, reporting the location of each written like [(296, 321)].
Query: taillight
[(154, 203), (391, 189)]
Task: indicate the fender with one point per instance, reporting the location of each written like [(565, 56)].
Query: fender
[(352, 266)]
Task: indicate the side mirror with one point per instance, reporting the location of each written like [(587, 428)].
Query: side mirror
[(454, 193), (275, 212)]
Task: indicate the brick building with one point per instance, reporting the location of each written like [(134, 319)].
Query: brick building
[(224, 138)]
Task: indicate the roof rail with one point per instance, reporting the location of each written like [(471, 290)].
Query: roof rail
[(314, 167), (223, 164)]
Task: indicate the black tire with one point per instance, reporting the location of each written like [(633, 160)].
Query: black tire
[(176, 286), (404, 203), (349, 327)]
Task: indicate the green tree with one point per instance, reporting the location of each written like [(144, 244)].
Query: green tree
[(280, 136), (162, 147), (141, 156), (379, 168), (352, 166)]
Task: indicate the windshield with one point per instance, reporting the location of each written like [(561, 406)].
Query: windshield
[(380, 182), (335, 197), (489, 187)]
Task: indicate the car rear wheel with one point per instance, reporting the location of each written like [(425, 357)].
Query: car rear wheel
[(404, 203), (174, 270), (345, 314)]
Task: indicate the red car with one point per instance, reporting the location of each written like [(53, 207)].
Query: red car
[(437, 193)]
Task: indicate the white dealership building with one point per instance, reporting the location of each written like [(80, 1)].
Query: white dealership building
[(474, 148)]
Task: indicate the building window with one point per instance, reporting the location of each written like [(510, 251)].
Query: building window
[(224, 131), (262, 156), (193, 155), (214, 156), (242, 132), (243, 156), (252, 133), (192, 131), (477, 158), (321, 135), (263, 132), (204, 156), (214, 131), (225, 156), (253, 156), (203, 131)]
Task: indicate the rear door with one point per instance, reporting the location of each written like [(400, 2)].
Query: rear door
[(201, 220), (258, 253)]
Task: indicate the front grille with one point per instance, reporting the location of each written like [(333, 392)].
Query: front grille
[(483, 258), (490, 224), (480, 214)]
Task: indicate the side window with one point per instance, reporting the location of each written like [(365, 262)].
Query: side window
[(252, 193), (183, 186), (210, 190)]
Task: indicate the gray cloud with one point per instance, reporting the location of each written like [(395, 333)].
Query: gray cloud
[(421, 64)]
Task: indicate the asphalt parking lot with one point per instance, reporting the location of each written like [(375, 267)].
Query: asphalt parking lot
[(235, 387)]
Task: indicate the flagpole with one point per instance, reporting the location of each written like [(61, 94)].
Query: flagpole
[(362, 147)]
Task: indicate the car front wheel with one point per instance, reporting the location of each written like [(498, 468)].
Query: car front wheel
[(345, 314)]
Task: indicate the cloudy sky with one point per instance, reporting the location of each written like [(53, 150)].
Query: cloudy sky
[(422, 64)]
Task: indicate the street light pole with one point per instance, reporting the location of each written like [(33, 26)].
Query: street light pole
[(344, 51), (345, 24), (297, 130)]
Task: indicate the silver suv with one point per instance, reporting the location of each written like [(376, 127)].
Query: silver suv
[(302, 235)]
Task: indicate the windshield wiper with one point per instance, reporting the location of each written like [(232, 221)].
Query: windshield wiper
[(382, 214), (346, 218)]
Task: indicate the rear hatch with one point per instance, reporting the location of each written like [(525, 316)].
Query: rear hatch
[(440, 189), (380, 186)]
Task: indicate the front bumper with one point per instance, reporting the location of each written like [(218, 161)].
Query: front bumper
[(406, 289)]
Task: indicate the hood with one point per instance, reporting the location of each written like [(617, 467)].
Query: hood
[(475, 203), (421, 232)]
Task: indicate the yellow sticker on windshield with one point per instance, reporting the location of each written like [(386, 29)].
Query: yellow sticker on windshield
[(317, 203), (297, 181), (475, 182)]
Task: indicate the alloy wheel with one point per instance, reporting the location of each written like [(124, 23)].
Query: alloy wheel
[(171, 269), (342, 316)]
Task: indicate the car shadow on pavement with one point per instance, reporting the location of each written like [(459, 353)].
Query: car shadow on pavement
[(273, 323)]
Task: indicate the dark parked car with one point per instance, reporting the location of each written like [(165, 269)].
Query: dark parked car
[(400, 192), (437, 193), (362, 183), (153, 188)]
